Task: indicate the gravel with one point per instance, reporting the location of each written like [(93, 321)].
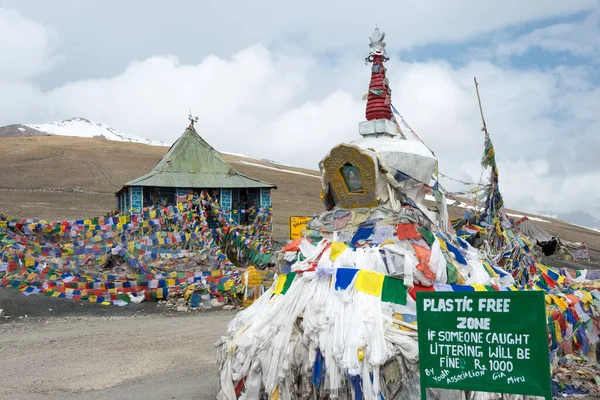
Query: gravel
[(71, 352)]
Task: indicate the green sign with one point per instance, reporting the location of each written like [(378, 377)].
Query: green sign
[(484, 341)]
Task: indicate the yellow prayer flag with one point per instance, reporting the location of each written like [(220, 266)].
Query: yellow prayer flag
[(189, 291), (337, 248), (280, 283), (561, 303), (370, 282), (479, 288), (442, 244), (558, 331)]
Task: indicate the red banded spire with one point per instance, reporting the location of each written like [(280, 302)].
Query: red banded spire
[(380, 95)]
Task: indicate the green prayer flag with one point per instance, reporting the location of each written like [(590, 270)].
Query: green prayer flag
[(427, 235), (553, 331), (393, 291), (288, 282), (451, 273)]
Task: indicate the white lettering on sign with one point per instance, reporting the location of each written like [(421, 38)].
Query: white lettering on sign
[(462, 337), (448, 305), (464, 375), (466, 305), (455, 350), (473, 323), (494, 305), (480, 340), (507, 338), (515, 379)]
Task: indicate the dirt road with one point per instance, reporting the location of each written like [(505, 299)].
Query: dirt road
[(111, 357)]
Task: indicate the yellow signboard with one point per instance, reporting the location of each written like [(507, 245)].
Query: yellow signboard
[(297, 224)]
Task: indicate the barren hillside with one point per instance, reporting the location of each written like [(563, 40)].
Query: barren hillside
[(58, 177)]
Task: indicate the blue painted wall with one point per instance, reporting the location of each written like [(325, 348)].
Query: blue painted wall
[(235, 205), (226, 197), (265, 198), (127, 200), (136, 200)]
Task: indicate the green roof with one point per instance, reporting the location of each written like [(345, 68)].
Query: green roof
[(193, 163)]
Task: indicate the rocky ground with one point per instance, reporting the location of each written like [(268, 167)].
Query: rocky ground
[(61, 349)]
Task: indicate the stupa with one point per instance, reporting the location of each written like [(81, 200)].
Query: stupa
[(340, 320), (383, 165)]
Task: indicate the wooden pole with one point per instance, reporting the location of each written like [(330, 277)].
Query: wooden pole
[(480, 108), (484, 128)]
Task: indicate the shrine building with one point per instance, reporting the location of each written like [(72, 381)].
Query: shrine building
[(192, 165)]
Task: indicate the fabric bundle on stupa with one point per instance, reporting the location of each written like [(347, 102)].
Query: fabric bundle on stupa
[(343, 310)]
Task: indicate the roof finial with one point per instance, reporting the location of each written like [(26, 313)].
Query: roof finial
[(377, 46), (192, 119), (379, 97)]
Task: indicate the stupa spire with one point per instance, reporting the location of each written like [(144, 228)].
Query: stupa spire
[(380, 95)]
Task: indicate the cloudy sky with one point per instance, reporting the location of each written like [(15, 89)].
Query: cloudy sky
[(285, 81)]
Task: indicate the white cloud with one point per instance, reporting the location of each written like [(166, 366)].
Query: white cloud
[(27, 48), (580, 38), (292, 107), (146, 28)]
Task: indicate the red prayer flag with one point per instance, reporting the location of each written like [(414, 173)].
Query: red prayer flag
[(423, 255), (548, 280), (418, 288), (407, 231)]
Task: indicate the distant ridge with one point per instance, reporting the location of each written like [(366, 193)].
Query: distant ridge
[(80, 127), (19, 130)]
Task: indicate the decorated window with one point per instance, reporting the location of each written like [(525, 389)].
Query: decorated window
[(352, 175), (352, 178)]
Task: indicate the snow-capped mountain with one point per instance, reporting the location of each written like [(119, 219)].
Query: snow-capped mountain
[(82, 127)]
